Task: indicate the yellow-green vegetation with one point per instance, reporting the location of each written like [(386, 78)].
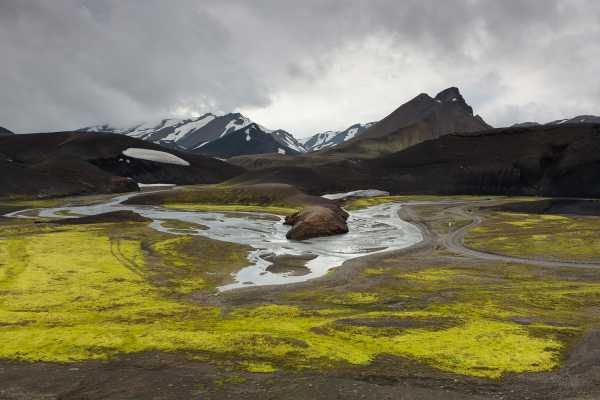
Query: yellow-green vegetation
[(80, 292), (231, 208), (534, 235), (377, 200), (271, 198)]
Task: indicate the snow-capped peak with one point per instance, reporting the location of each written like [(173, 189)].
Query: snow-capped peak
[(329, 139)]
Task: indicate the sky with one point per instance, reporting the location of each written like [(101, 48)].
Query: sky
[(303, 66)]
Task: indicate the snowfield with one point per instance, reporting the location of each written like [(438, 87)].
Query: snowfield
[(155, 155)]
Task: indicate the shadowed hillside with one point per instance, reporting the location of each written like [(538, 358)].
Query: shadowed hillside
[(549, 160), (58, 164)]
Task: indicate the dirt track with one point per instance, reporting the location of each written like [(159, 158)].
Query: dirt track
[(454, 241)]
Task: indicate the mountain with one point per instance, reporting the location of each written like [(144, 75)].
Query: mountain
[(193, 133), (420, 119), (253, 139), (548, 160), (580, 119), (70, 163), (4, 132), (186, 134), (329, 139)]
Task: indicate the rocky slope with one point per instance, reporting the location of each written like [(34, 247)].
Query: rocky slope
[(420, 119), (556, 160), (65, 163)]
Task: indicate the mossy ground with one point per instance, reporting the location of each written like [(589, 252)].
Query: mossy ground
[(533, 235), (226, 198), (82, 292), (357, 204), (232, 208)]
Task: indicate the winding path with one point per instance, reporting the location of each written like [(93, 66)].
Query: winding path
[(454, 242)]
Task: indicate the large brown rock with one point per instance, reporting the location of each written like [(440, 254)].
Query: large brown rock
[(315, 221)]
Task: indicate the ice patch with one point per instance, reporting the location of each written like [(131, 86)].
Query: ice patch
[(154, 155), (356, 193)]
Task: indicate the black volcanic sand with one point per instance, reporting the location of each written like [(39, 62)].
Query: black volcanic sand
[(159, 375)]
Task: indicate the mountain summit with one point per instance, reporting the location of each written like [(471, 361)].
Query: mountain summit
[(420, 119)]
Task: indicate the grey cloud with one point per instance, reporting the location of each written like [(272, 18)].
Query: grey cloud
[(70, 63)]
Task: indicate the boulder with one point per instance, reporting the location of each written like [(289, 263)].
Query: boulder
[(316, 221)]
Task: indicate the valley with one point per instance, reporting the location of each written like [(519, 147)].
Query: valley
[(142, 301)]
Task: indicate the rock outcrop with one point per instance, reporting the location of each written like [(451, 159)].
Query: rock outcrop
[(316, 221)]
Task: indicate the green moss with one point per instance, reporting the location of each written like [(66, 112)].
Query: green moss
[(232, 208), (259, 367), (75, 293), (269, 199), (377, 200), (544, 236)]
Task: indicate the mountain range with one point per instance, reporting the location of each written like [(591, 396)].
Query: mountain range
[(427, 145), (235, 135), (580, 119), (228, 135)]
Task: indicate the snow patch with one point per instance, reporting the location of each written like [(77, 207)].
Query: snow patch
[(154, 155), (236, 124), (185, 129), (351, 133), (356, 193), (281, 151)]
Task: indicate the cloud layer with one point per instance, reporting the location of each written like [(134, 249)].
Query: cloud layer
[(301, 66)]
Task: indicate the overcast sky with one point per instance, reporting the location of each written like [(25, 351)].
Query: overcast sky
[(304, 66)]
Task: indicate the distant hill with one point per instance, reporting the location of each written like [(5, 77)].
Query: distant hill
[(580, 119), (4, 132), (67, 163)]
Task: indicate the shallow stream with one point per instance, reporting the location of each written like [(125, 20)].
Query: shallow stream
[(372, 230)]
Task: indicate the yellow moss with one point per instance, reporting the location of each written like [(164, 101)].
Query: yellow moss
[(432, 275), (258, 367), (349, 298), (373, 201), (545, 236), (232, 208), (374, 271), (88, 292)]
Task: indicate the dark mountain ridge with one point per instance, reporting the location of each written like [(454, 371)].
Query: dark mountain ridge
[(559, 160), (69, 163)]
